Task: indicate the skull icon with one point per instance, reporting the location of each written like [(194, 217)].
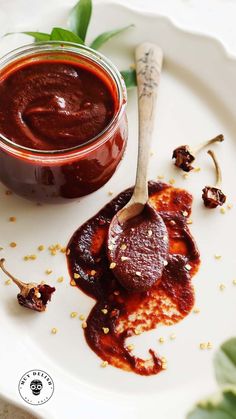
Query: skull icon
[(36, 386)]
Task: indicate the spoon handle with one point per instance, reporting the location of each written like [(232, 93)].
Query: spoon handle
[(148, 59)]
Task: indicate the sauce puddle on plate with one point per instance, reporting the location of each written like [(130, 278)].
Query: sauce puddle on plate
[(119, 314)]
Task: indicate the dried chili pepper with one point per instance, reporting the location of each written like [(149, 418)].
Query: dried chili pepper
[(33, 296), (212, 195), (184, 155)]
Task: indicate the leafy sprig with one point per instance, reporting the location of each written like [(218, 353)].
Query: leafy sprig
[(79, 20), (223, 404)]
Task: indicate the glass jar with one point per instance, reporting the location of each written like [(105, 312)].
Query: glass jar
[(56, 175)]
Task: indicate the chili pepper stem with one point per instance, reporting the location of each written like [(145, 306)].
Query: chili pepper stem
[(217, 167), (16, 281), (219, 138)]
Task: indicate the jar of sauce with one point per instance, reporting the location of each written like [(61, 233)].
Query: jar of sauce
[(63, 126)]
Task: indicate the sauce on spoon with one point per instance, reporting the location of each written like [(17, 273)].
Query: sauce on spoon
[(138, 250)]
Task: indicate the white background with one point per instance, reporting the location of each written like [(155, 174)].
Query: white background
[(214, 17)]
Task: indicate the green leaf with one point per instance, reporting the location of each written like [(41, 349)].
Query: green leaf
[(38, 36), (59, 34), (105, 36), (79, 18), (221, 406), (225, 363), (129, 78)]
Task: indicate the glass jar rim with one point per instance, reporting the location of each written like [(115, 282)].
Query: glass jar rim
[(88, 53)]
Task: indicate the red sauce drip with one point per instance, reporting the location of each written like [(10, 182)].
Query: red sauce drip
[(54, 105), (169, 300)]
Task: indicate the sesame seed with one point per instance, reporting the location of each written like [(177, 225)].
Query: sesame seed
[(172, 222), (60, 279), (76, 276), (54, 330), (130, 347), (105, 330), (72, 282), (216, 256), (222, 287), (222, 210), (163, 359), (123, 246), (41, 247), (164, 366), (185, 175), (117, 292), (26, 258), (68, 252), (234, 281), (123, 258), (112, 265), (172, 181), (82, 317), (48, 271), (165, 263), (149, 233), (104, 310), (104, 364), (185, 213), (111, 247), (196, 311), (161, 340), (160, 177), (189, 221), (13, 244), (84, 325), (202, 345), (93, 272), (229, 206), (53, 252), (197, 169), (32, 257), (172, 336), (110, 193), (209, 345), (188, 267), (37, 294), (137, 332), (8, 282), (137, 273), (73, 314), (12, 219)]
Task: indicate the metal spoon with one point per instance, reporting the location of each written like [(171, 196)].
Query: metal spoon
[(148, 59)]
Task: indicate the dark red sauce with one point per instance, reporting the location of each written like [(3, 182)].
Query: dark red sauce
[(167, 302), (51, 105), (138, 249)]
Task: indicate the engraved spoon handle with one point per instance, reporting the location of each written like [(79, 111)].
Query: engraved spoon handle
[(148, 59)]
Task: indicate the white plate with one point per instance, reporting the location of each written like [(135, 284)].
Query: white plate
[(196, 102)]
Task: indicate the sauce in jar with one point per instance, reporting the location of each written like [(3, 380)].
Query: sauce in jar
[(63, 127), (54, 105)]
